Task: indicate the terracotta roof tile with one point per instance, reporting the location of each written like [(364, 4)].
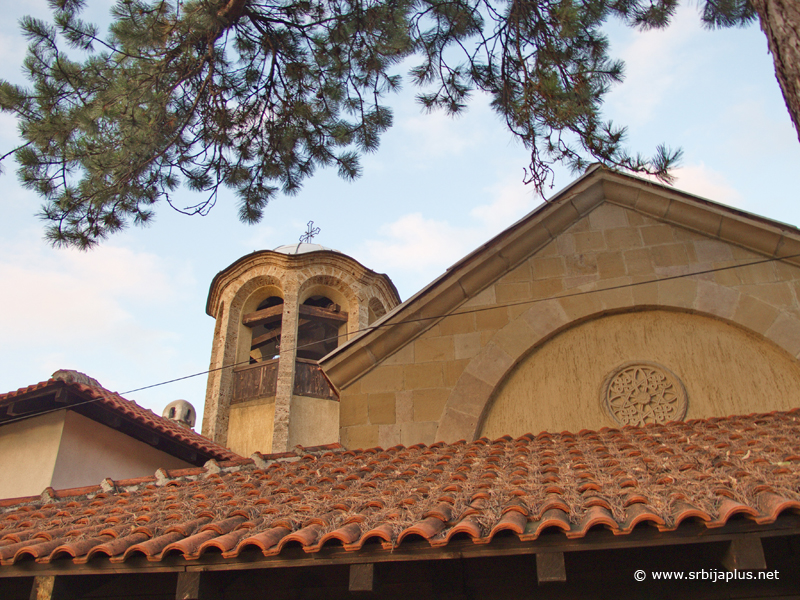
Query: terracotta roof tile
[(708, 471), (129, 409)]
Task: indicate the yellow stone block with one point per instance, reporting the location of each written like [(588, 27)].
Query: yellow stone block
[(511, 292), (467, 345), (516, 338), (755, 314), (434, 349), (521, 272), (581, 264), (611, 265), (608, 216), (546, 288), (453, 370), (425, 375), (457, 323), (760, 273), (779, 295), (361, 436), (677, 292), (785, 332), (623, 238), (403, 356), (589, 241), (428, 404), (382, 379), (493, 318), (353, 409), (381, 409), (646, 292), (657, 234), (545, 268), (669, 255)]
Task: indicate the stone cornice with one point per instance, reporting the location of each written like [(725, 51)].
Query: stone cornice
[(294, 262), (486, 264)]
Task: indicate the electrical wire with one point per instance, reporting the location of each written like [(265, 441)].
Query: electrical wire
[(486, 308), (432, 318)]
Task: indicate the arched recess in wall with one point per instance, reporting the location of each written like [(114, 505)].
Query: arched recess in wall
[(328, 308), (661, 365), (260, 294), (467, 403), (265, 328), (376, 310)]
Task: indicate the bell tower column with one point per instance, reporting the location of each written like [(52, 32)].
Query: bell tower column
[(278, 313), (286, 367)]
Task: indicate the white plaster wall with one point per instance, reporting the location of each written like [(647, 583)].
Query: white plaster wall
[(89, 452), (251, 426), (28, 452), (315, 421)]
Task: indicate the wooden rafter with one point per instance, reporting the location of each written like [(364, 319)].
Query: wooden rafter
[(274, 313), (263, 316)]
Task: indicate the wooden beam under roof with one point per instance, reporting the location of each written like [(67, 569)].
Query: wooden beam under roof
[(274, 313), (325, 314), (263, 316)]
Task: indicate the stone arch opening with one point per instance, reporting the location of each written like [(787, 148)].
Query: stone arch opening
[(259, 313), (376, 310), (332, 306), (318, 329), (265, 329)]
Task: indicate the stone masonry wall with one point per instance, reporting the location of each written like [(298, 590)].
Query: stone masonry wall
[(453, 367)]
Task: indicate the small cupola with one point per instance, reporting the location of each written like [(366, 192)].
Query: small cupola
[(182, 412)]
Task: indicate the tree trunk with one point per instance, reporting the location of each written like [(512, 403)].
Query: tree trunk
[(780, 21)]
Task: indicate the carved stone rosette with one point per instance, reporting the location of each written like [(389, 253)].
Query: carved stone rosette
[(638, 393)]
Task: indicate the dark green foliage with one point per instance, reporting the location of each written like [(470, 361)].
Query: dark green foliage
[(256, 94), (728, 13)]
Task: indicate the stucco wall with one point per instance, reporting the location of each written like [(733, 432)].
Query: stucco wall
[(251, 426), (724, 369), (314, 422), (89, 452), (63, 449), (29, 450), (439, 385)]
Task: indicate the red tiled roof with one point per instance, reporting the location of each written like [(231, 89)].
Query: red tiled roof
[(706, 470), (130, 410)]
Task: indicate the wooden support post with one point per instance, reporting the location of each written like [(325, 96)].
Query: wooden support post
[(197, 585), (362, 577), (188, 586), (48, 587), (550, 567), (745, 553)]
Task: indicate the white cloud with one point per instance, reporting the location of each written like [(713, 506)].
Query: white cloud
[(510, 201), (656, 63), (69, 309), (437, 134), (707, 183), (415, 249), (413, 242)]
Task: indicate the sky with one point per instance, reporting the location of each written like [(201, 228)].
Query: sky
[(131, 313)]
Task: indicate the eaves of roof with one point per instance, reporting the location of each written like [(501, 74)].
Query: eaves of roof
[(82, 395), (680, 477)]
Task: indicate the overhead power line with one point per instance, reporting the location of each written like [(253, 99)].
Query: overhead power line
[(486, 308), (433, 318)]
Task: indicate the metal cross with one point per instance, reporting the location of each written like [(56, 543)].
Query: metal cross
[(309, 234)]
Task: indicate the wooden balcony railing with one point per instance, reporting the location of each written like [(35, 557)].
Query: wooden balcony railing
[(255, 381), (260, 380), (309, 380)]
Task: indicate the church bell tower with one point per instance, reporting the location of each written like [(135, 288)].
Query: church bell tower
[(277, 313)]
